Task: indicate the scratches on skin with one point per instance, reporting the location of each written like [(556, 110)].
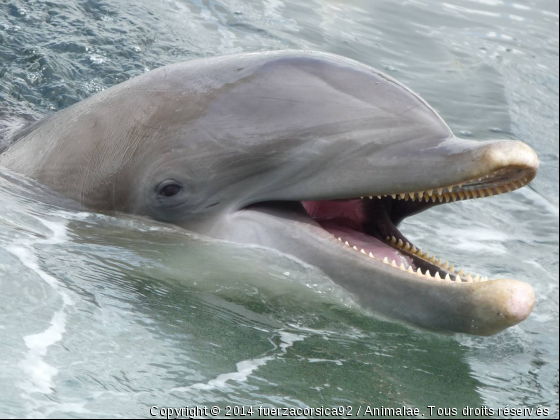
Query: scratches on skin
[(280, 99), (408, 109)]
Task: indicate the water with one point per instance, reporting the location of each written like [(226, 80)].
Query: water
[(104, 316)]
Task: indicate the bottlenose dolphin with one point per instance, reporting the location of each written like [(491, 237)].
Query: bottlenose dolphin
[(314, 155)]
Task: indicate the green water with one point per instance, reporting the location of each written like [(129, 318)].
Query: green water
[(107, 317)]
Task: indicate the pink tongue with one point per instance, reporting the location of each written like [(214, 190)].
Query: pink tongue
[(368, 243)]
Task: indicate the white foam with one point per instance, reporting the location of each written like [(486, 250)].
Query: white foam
[(29, 260), (245, 368), (336, 362), (470, 11), (288, 340), (39, 374)]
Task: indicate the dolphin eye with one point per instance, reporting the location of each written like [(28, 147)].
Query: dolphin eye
[(169, 189)]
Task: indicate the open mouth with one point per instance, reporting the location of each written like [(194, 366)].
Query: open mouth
[(369, 225)]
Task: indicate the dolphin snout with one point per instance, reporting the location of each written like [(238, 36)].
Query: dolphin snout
[(507, 154)]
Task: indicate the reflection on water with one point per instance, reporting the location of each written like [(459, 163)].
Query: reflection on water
[(105, 316)]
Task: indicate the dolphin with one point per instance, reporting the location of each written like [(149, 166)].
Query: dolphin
[(311, 154)]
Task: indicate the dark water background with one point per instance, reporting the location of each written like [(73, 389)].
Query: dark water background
[(107, 317)]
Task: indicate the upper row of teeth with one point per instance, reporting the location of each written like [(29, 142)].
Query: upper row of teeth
[(447, 194), (432, 259), (459, 278)]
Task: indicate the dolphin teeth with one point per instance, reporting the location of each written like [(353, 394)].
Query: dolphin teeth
[(379, 197), (452, 269), (346, 243), (441, 198), (446, 266), (419, 272), (433, 259), (440, 262), (468, 194), (440, 191), (394, 240), (428, 275), (477, 278), (482, 193), (461, 273), (388, 239), (447, 197), (371, 255), (340, 239), (400, 244), (356, 248), (402, 267), (461, 195), (394, 264), (414, 250), (394, 196), (458, 279), (386, 260), (438, 277), (455, 196), (434, 198), (407, 247), (431, 192), (508, 188), (410, 270), (448, 278), (489, 192), (371, 197), (363, 251)]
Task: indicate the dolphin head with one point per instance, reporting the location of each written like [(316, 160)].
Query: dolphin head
[(314, 155)]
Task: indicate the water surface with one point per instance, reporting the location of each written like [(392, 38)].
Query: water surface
[(108, 316)]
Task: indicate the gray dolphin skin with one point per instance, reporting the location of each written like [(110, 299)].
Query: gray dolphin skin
[(314, 155)]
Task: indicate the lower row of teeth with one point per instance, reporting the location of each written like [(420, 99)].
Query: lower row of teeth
[(460, 276)]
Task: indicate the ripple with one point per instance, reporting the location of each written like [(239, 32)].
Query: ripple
[(108, 315)]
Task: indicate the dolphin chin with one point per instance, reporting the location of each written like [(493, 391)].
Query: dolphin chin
[(311, 154)]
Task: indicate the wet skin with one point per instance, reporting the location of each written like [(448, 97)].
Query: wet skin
[(311, 154)]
